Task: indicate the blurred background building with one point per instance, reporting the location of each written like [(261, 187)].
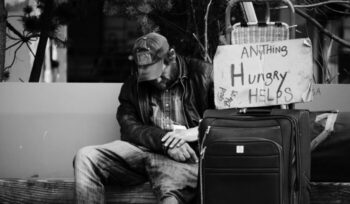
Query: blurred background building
[(100, 39)]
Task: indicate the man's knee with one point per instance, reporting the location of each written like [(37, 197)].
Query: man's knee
[(169, 200), (84, 156)]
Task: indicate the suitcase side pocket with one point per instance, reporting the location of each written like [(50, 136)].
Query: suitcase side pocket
[(244, 170)]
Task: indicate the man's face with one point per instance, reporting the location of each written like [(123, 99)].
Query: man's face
[(166, 78)]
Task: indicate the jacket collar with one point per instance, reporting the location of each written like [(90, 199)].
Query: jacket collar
[(182, 68)]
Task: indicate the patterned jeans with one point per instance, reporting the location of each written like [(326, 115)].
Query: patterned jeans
[(122, 163)]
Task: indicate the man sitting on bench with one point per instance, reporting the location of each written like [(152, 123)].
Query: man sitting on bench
[(160, 109)]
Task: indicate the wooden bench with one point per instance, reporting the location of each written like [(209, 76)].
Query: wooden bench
[(61, 192)]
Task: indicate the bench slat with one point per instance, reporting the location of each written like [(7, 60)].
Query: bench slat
[(53, 191)]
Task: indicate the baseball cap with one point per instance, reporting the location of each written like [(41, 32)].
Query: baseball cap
[(149, 51)]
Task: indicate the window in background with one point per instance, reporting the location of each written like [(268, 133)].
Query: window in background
[(100, 46)]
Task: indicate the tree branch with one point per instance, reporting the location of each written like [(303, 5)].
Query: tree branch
[(14, 44), (313, 5), (199, 42), (322, 29), (194, 18), (14, 56), (11, 37), (44, 36), (15, 31), (337, 11), (30, 49), (206, 55)]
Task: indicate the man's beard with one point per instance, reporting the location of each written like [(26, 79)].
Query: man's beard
[(163, 85)]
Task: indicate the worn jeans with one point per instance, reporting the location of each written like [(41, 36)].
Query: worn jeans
[(121, 163)]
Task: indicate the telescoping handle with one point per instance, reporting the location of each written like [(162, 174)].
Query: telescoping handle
[(255, 111), (251, 17)]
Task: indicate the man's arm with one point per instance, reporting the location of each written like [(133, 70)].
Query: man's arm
[(132, 128), (176, 143)]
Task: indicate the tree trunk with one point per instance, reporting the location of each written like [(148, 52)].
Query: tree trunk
[(44, 36), (39, 57), (3, 16)]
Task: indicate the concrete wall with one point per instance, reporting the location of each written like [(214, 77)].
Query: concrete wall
[(43, 125), (329, 97)]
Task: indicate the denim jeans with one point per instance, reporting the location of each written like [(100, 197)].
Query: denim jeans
[(121, 163)]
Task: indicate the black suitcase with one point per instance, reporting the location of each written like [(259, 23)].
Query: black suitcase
[(257, 157)]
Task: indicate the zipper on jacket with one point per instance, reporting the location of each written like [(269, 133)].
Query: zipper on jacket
[(182, 101)]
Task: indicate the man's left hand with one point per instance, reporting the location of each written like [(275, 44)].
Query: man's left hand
[(183, 153), (179, 137)]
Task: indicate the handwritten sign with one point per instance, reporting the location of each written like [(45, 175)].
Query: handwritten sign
[(263, 74)]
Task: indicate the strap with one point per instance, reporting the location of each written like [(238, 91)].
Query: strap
[(328, 127)]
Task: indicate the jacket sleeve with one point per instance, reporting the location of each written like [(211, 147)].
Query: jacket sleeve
[(133, 129)]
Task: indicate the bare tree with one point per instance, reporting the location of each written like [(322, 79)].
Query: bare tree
[(45, 26), (44, 36)]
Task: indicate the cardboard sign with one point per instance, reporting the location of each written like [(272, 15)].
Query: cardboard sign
[(263, 74)]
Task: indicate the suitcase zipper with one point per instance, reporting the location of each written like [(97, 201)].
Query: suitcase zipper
[(298, 162), (202, 152), (202, 148)]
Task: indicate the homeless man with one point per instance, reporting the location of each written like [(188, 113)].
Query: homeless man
[(160, 109)]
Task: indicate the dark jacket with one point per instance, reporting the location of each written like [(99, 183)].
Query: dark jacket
[(134, 112)]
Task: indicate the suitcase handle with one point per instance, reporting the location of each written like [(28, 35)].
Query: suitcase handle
[(230, 4), (255, 111)]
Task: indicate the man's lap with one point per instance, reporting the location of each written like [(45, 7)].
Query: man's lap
[(167, 177)]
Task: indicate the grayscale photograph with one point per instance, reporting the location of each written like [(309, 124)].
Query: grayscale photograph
[(174, 101)]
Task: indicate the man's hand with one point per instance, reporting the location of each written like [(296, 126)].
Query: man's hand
[(183, 153), (179, 137)]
